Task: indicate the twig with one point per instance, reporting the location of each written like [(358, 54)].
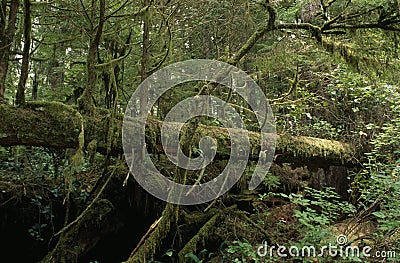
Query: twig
[(152, 227)]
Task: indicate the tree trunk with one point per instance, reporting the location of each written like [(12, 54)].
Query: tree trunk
[(20, 99), (85, 101), (7, 31), (35, 85), (145, 61)]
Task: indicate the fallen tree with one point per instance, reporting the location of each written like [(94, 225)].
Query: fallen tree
[(58, 125)]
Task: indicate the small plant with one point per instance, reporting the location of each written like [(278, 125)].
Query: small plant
[(36, 231), (378, 184), (203, 256), (319, 209), (193, 258), (271, 182), (45, 212), (243, 252)]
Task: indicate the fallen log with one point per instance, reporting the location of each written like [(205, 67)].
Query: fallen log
[(53, 124)]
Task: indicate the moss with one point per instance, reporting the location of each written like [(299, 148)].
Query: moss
[(91, 148), (308, 147), (200, 238), (350, 55), (53, 107), (295, 146), (39, 124), (150, 246)]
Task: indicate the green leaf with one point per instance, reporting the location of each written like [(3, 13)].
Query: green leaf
[(193, 257), (169, 253), (379, 214)]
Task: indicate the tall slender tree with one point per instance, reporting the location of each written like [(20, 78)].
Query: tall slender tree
[(20, 98), (8, 18)]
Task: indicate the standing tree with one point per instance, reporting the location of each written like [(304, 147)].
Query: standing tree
[(8, 18)]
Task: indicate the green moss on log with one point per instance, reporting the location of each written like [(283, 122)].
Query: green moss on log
[(199, 240), (308, 148)]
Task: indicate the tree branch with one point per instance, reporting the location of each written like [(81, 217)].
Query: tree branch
[(259, 33)]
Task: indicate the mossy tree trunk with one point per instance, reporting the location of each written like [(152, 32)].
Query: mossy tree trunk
[(85, 101), (58, 125)]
